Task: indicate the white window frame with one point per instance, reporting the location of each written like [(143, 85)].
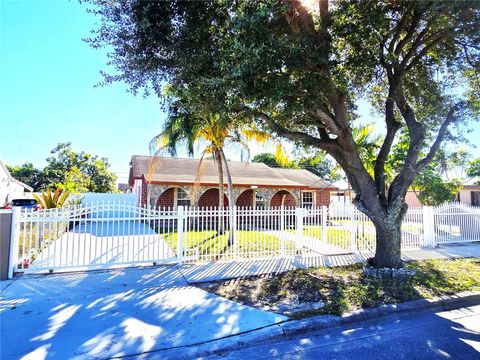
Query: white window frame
[(308, 204), (184, 199)]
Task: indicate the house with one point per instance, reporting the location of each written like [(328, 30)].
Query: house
[(469, 194), (411, 198), (344, 193), (10, 188), (170, 182)]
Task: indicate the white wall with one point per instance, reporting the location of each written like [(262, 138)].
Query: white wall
[(4, 186), (465, 196), (137, 189), (9, 189)]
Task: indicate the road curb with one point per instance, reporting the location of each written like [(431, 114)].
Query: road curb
[(287, 329)]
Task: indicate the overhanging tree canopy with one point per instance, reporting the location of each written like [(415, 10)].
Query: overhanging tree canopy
[(298, 72)]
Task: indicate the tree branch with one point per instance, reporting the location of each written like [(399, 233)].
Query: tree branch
[(440, 136), (425, 49), (392, 127), (298, 12), (417, 15)]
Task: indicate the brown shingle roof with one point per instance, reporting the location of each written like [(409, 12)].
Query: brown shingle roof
[(184, 171), (304, 177)]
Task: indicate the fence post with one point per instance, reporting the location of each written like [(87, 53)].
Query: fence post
[(282, 230), (299, 227), (353, 229), (233, 229), (324, 224), (180, 221), (14, 243), (428, 226)]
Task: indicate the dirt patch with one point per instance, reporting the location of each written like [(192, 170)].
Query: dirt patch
[(322, 290)]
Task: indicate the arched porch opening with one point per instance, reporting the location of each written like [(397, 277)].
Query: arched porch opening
[(245, 199), (210, 198), (173, 197), (283, 197)]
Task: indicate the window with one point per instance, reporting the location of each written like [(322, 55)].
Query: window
[(307, 199), (259, 201), (475, 198), (182, 198)]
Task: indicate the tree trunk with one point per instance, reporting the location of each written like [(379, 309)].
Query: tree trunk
[(229, 181), (231, 203), (388, 250), (221, 192), (389, 238)]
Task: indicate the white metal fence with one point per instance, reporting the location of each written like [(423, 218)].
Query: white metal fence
[(456, 223), (115, 233)]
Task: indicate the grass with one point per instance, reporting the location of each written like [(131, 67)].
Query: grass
[(248, 243), (340, 237), (347, 288)]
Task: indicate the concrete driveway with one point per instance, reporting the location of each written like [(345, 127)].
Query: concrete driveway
[(114, 313), (95, 244)]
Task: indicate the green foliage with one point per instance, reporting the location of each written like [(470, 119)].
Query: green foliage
[(317, 163), (68, 170), (268, 159), (29, 175), (65, 167), (474, 169), (433, 189), (298, 73), (75, 182), (432, 184), (52, 200)]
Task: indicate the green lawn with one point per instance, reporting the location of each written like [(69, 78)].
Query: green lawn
[(247, 244), (340, 237)]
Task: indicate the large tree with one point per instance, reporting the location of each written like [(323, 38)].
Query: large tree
[(30, 175), (298, 71), (78, 171)]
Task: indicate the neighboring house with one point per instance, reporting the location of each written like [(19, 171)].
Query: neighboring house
[(344, 193), (411, 198), (10, 188), (171, 182), (469, 194)]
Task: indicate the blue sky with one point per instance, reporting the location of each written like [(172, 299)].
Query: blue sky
[(47, 74)]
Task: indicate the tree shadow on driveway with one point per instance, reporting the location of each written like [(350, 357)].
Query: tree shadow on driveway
[(115, 313)]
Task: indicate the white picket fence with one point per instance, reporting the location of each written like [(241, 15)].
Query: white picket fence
[(112, 234)]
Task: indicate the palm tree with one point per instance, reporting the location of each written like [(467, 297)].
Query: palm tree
[(214, 133)]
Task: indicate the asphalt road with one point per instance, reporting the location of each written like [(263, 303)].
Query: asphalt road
[(426, 335)]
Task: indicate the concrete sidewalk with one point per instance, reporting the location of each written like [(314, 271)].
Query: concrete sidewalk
[(101, 314), (228, 270)]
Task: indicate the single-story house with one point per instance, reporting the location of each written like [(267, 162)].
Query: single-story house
[(170, 182), (10, 188), (469, 194), (344, 194)]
